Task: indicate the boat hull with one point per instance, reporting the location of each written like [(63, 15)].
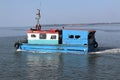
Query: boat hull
[(48, 48)]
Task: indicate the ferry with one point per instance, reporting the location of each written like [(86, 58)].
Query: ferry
[(63, 40)]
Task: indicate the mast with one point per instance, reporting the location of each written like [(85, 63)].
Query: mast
[(38, 26), (38, 15)]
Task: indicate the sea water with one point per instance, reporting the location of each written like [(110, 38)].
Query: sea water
[(58, 66)]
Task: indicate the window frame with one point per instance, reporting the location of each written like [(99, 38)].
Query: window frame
[(53, 37), (42, 36)]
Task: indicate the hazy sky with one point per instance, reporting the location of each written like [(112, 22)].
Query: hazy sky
[(23, 12)]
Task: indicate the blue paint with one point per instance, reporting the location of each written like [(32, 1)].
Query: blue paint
[(56, 48), (83, 37)]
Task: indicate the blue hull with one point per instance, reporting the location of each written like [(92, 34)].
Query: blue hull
[(78, 49)]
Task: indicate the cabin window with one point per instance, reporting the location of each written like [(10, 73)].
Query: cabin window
[(77, 36), (33, 35), (71, 36), (53, 36), (42, 36)]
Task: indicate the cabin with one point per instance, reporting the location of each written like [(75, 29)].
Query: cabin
[(42, 37)]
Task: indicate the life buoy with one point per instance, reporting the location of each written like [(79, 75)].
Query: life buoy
[(17, 45), (95, 44)]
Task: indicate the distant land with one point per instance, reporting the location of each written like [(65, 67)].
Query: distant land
[(79, 24), (62, 25)]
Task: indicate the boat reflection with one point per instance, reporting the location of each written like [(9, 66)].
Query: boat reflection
[(43, 66), (57, 66)]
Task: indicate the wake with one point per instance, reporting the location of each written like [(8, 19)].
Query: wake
[(116, 50)]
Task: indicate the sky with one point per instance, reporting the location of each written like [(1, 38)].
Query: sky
[(23, 12)]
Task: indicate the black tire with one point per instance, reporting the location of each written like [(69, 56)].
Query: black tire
[(95, 44), (16, 45)]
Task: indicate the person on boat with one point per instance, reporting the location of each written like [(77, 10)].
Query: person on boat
[(38, 26)]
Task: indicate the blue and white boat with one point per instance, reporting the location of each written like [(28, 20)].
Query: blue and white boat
[(65, 40)]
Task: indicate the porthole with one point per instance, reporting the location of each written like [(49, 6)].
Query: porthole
[(77, 36), (71, 36)]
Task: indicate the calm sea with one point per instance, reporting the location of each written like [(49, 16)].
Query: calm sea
[(39, 66)]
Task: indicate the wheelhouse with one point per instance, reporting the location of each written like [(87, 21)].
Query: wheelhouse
[(42, 37)]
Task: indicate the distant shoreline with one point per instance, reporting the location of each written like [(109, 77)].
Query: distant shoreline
[(79, 24)]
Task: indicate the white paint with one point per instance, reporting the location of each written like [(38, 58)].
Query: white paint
[(33, 38), (48, 36)]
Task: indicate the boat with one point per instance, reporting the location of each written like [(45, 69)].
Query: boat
[(61, 40)]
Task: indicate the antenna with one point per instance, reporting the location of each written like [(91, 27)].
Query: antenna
[(38, 26), (38, 16), (40, 4)]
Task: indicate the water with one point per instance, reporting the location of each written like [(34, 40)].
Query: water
[(38, 66)]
